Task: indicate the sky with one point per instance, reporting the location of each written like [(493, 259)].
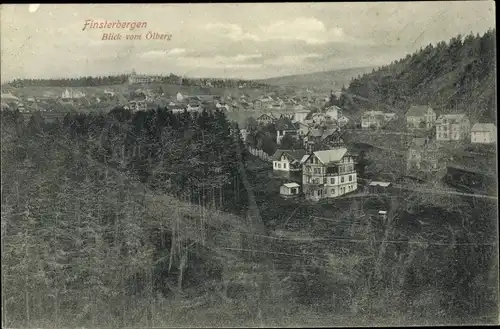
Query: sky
[(245, 41)]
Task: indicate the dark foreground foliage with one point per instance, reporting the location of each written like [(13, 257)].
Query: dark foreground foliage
[(142, 219)]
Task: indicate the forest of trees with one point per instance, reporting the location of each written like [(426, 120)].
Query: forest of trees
[(142, 219), (458, 76), (123, 78)]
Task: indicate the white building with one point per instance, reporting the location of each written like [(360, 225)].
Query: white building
[(222, 106), (333, 112), (194, 107), (483, 133), (71, 94), (452, 127), (300, 116), (137, 105), (135, 78), (287, 160), (109, 92), (328, 174), (342, 121), (179, 97), (372, 119), (289, 189), (420, 116)]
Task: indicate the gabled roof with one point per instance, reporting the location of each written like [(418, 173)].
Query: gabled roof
[(451, 117), (332, 108), (418, 110), (294, 154), (373, 113), (264, 115), (329, 132), (383, 184), (483, 127), (285, 124), (329, 156), (291, 185)]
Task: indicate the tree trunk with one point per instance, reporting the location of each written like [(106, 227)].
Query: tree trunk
[(181, 273), (213, 197), (150, 297), (56, 308), (26, 292)]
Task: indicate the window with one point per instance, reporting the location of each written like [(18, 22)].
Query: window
[(350, 178), (275, 165), (324, 181), (279, 165), (342, 179), (284, 165), (332, 180), (333, 191)]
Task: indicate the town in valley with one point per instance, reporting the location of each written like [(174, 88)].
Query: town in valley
[(280, 165)]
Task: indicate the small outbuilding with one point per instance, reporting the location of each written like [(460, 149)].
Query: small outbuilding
[(378, 187), (289, 189)]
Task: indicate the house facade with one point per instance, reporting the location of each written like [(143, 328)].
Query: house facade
[(137, 105), (303, 128), (423, 155), (318, 139), (71, 94), (333, 112), (452, 127), (194, 106), (287, 115), (483, 133), (284, 127), (289, 190), (257, 104), (177, 108), (265, 119), (373, 119), (342, 121), (287, 160), (328, 174), (420, 117), (300, 116), (135, 78)]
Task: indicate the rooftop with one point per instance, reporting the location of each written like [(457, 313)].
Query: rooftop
[(483, 127), (418, 110), (383, 184), (329, 156), (285, 124), (451, 117), (291, 185), (295, 154)]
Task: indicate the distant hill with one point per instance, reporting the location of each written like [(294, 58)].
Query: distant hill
[(458, 76), (321, 81)]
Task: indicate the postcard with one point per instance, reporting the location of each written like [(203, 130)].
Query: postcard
[(249, 165)]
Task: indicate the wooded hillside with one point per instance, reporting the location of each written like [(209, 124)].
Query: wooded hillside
[(458, 75)]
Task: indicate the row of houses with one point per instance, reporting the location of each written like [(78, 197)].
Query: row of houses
[(448, 127), (323, 166)]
